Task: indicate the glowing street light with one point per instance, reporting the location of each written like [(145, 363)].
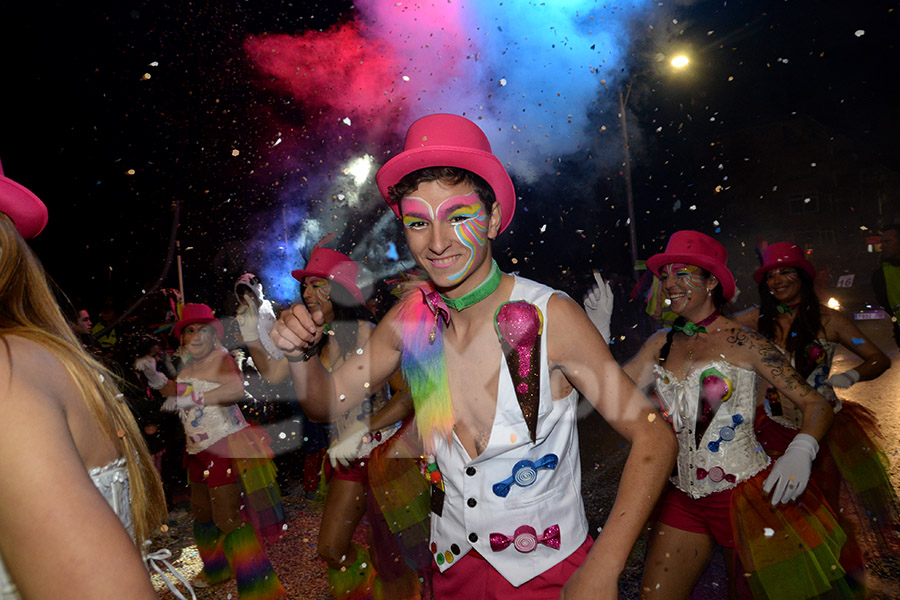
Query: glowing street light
[(678, 62)]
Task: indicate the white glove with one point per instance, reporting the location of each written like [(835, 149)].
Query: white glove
[(147, 366), (346, 449), (192, 399), (598, 304), (843, 380), (790, 474), (248, 319)]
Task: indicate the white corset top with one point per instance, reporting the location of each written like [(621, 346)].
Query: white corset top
[(712, 414), (206, 425)]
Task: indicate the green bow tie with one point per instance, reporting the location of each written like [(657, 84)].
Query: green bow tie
[(784, 308), (689, 328)]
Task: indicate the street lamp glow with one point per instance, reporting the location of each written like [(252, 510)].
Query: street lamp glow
[(680, 61)]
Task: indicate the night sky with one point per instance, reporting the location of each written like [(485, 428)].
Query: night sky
[(250, 114)]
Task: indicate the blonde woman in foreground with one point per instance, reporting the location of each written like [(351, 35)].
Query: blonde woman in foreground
[(79, 494)]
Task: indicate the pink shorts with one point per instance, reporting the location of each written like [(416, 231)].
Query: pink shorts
[(355, 472), (212, 466), (710, 515), (473, 578)]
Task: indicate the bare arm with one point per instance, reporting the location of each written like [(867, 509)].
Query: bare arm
[(274, 371), (398, 407), (323, 395), (229, 376), (53, 514), (761, 355), (839, 327), (578, 350), (640, 367)]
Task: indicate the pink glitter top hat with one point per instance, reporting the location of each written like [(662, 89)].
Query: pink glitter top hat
[(698, 249), (444, 140), (783, 254)]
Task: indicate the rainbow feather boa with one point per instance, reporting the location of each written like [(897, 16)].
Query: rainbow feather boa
[(423, 363)]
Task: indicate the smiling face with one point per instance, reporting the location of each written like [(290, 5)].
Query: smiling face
[(784, 284), (687, 288), (317, 294), (199, 339), (449, 233)]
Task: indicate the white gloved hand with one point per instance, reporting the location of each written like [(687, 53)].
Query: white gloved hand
[(248, 319), (790, 474), (843, 380), (346, 449), (598, 304), (192, 399), (147, 366)]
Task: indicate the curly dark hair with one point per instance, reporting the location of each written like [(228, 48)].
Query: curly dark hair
[(446, 175)]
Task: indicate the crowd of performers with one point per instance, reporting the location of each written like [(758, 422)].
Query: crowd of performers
[(451, 421)]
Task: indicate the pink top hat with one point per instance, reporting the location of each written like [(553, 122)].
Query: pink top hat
[(698, 249), (198, 313), (333, 266), (24, 208), (444, 140), (783, 254)]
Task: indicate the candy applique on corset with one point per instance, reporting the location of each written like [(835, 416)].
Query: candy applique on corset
[(711, 412), (815, 365)]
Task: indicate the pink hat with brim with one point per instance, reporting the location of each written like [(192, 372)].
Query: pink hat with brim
[(781, 255), (444, 140), (700, 250), (333, 266), (198, 313), (25, 209)]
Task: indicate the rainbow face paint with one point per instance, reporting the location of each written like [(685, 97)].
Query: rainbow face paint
[(465, 214), (688, 277), (317, 292)]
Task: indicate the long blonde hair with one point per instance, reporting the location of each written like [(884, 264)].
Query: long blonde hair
[(28, 309)]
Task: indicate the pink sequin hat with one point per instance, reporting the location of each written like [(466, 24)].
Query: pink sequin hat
[(698, 249), (444, 140), (198, 313), (784, 254), (25, 209), (333, 266)]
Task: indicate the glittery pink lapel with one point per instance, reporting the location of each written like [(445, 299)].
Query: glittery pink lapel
[(519, 326)]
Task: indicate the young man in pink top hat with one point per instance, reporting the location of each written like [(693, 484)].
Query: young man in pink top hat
[(495, 363)]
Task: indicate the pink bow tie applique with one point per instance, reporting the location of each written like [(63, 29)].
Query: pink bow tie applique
[(525, 539), (716, 474)]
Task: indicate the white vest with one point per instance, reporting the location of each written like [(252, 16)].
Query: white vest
[(472, 511), (728, 452)]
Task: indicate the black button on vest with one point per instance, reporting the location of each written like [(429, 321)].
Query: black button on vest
[(471, 502)]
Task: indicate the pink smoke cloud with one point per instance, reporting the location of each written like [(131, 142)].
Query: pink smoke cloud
[(338, 73)]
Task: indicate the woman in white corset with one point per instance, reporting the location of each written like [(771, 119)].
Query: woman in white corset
[(229, 462), (66, 435), (777, 536)]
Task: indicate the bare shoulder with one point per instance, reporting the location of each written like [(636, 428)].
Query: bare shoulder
[(747, 318), (32, 380), (26, 363), (834, 319), (565, 308)]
